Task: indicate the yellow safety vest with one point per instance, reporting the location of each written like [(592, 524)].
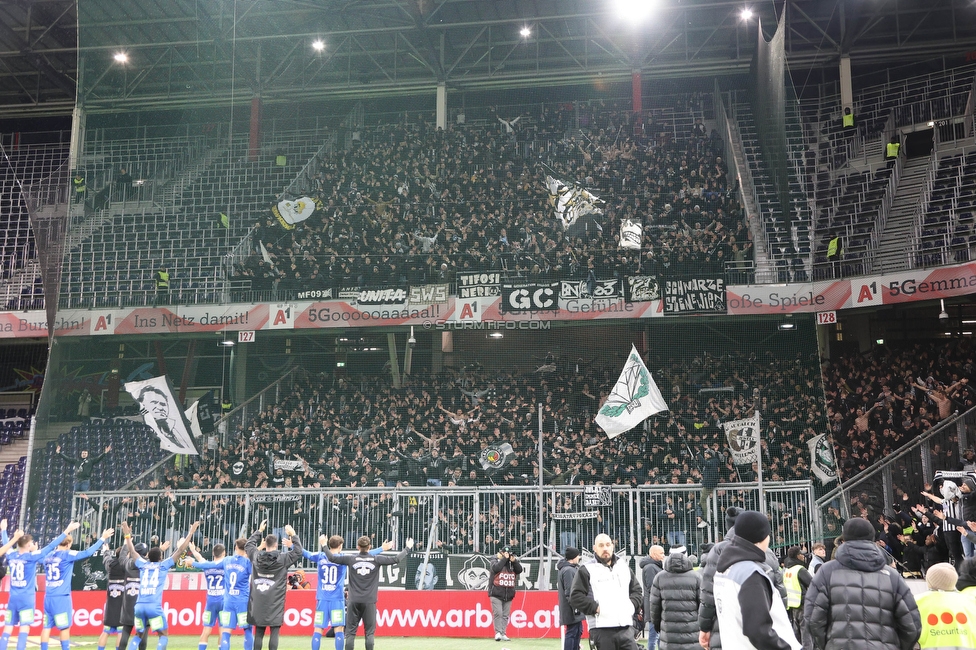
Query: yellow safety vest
[(79, 184), (948, 620), (848, 120), (891, 150), (833, 248), (794, 590), (162, 282)]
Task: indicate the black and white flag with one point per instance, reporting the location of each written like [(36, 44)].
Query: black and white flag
[(743, 436), (162, 414)]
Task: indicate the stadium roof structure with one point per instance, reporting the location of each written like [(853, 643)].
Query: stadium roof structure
[(199, 53)]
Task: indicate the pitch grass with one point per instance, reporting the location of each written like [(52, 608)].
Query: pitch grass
[(381, 643)]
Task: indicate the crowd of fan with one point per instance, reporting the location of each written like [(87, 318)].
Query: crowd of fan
[(358, 432), (881, 400), (407, 199)]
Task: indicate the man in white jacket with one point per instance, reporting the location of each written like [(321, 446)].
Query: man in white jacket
[(607, 591)]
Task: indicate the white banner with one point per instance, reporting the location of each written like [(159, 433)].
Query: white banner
[(163, 414), (743, 438), (289, 465), (631, 234)]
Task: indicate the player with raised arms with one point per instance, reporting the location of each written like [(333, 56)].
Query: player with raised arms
[(213, 573), (59, 567), (152, 579), (237, 582)]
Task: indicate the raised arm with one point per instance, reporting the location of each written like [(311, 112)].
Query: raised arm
[(251, 547), (3, 532), (295, 554), (47, 550), (9, 544), (91, 550), (186, 540)]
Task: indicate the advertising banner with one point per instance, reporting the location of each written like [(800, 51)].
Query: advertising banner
[(399, 613)]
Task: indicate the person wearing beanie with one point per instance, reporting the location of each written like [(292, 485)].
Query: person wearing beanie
[(650, 566), (570, 618), (856, 600), (674, 600), (751, 614), (797, 579), (947, 616), (709, 634)]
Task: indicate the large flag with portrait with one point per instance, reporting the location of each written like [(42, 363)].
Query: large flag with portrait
[(634, 398), (292, 212), (163, 414)]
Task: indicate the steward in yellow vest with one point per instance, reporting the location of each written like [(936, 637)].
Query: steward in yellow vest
[(848, 118), (892, 148), (796, 579), (834, 249), (948, 617)]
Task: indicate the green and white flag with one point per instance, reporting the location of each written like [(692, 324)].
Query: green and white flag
[(822, 458), (634, 398)]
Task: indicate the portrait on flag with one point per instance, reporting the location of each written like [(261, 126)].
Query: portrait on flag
[(163, 414)]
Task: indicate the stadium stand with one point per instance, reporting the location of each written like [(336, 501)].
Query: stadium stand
[(135, 449), (392, 210), (944, 223), (35, 169)]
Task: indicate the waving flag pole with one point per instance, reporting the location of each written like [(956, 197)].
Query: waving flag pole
[(634, 398)]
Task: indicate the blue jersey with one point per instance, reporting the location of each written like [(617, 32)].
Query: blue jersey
[(59, 567), (237, 578), (22, 567), (152, 579), (213, 572), (332, 577)]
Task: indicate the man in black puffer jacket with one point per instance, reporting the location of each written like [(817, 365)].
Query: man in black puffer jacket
[(857, 601), (709, 636), (675, 596), (650, 567)]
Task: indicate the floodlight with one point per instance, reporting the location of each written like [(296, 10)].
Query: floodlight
[(746, 13), (525, 32), (121, 57), (787, 326), (634, 10), (318, 45), (496, 335)]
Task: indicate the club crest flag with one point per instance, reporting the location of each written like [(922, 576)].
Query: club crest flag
[(290, 213), (634, 398), (495, 456), (163, 414), (743, 436), (822, 458)]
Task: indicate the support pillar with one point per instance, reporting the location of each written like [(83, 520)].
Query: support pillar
[(846, 87), (254, 139), (638, 96), (394, 360), (77, 146), (442, 105), (238, 373)]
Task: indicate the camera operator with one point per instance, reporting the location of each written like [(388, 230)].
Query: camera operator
[(501, 589)]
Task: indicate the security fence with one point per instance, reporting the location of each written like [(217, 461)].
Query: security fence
[(458, 520)]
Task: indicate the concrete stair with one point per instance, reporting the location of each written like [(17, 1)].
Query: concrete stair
[(893, 252), (10, 454)]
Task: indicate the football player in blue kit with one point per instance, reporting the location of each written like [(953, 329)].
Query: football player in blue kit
[(214, 575), (152, 579), (330, 595), (59, 568), (22, 566), (237, 583)]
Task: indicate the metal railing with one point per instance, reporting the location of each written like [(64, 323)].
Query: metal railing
[(459, 519), (906, 471)]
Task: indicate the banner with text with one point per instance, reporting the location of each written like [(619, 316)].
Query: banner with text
[(694, 296)]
